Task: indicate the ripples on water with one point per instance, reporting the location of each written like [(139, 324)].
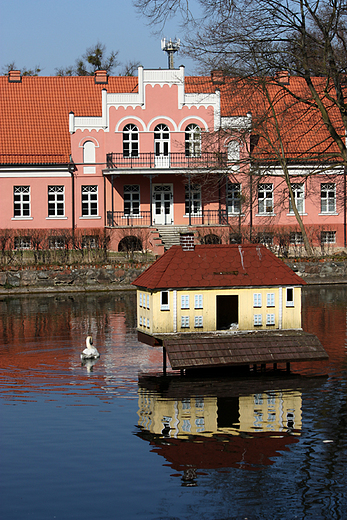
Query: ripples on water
[(105, 442)]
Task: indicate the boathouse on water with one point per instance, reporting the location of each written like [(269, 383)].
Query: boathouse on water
[(217, 305)]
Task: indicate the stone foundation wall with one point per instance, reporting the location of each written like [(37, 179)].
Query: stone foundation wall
[(113, 277)]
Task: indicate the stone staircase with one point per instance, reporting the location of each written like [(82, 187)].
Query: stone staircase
[(170, 235)]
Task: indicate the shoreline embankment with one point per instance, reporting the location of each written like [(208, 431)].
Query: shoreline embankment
[(98, 278)]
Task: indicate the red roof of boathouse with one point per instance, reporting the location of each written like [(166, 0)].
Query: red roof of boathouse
[(217, 266)]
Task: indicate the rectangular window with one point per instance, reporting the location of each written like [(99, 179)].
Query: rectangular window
[(267, 239), (22, 243), (197, 321), (195, 199), (89, 201), (299, 198), (141, 321), (198, 301), (290, 297), (270, 300), (57, 242), (185, 301), (270, 319), (56, 202), (90, 242), (257, 320), (131, 199), (164, 301), (296, 238), (328, 237), (233, 198), (257, 300), (328, 198), (140, 300), (184, 322), (147, 301), (21, 201), (147, 323), (265, 199)]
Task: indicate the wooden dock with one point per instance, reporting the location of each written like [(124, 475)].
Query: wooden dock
[(215, 350)]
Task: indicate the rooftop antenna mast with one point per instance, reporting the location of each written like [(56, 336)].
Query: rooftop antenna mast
[(170, 47)]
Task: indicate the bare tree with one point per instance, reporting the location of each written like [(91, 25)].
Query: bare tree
[(92, 60)]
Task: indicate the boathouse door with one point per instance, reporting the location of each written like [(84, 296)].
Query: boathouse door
[(227, 312)]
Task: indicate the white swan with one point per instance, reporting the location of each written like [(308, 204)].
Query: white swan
[(90, 352)]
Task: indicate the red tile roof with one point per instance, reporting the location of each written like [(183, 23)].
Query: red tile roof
[(35, 114), (217, 266)]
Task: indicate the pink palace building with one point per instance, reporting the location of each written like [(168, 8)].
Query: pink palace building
[(143, 158)]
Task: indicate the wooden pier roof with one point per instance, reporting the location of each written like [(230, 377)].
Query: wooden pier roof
[(186, 351)]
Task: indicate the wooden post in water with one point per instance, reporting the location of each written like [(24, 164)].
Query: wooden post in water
[(164, 361)]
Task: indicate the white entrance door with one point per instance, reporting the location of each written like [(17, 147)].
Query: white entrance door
[(162, 204)]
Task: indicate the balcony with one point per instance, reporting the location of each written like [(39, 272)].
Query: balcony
[(143, 219), (175, 160)]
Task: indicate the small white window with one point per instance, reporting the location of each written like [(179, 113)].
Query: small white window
[(164, 301), (328, 198), (197, 321), (328, 237), (140, 321), (147, 323), (290, 297), (89, 157), (265, 199), (140, 299), (270, 300), (256, 299), (185, 301), (299, 198), (198, 301), (184, 322), (257, 320), (147, 301), (270, 319)]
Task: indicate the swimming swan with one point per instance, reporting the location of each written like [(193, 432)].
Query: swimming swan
[(90, 352)]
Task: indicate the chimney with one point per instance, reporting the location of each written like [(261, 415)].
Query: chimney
[(217, 77), (187, 241), (100, 77), (14, 76), (282, 77)]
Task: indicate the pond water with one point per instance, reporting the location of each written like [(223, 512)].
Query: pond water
[(109, 442)]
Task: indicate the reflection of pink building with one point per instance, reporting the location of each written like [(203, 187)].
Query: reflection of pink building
[(138, 155)]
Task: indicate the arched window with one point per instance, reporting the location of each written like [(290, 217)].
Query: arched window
[(130, 243), (89, 156), (130, 141), (161, 140), (193, 140)]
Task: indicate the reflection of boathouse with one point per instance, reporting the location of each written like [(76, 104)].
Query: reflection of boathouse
[(218, 305), (236, 424)]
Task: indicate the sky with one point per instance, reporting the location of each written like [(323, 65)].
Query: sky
[(52, 34)]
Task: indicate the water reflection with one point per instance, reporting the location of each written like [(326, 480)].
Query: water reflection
[(228, 429)]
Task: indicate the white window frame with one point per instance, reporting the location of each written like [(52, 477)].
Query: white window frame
[(328, 237), (198, 321), (130, 141), (290, 301), (89, 157), (164, 306), (148, 301), (56, 201), (195, 200), (296, 238), (328, 198), (140, 299), (257, 300), (233, 148), (21, 202), (270, 300), (193, 140), (266, 199), (22, 243), (184, 322), (89, 199), (184, 301), (148, 323), (258, 320), (233, 196), (298, 189), (140, 321), (131, 200), (270, 319), (198, 301)]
